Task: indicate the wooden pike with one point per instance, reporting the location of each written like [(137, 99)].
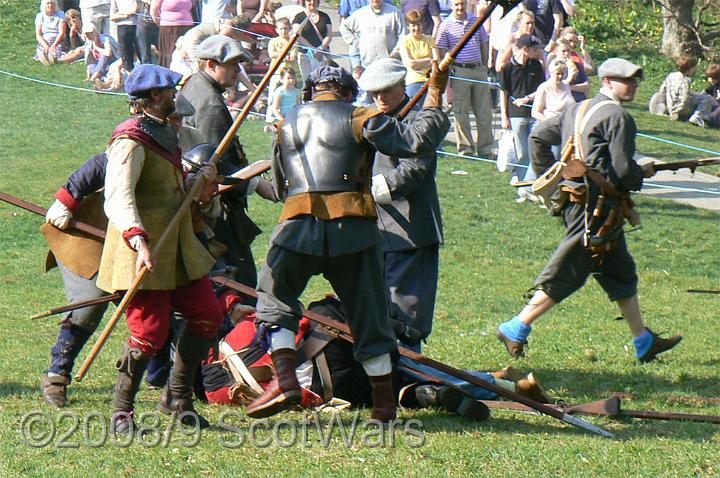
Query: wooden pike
[(191, 195), (343, 332), (77, 305)]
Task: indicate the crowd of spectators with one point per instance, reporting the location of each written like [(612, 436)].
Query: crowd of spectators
[(538, 62)]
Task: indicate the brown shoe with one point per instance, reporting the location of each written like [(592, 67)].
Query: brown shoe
[(284, 390), (530, 388), (515, 349), (54, 390), (659, 346), (383, 397)]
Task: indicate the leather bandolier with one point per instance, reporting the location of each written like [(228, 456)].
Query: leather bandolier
[(605, 219), (325, 168)]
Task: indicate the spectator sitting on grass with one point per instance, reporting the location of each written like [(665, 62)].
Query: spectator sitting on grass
[(102, 53), (50, 31), (676, 99), (713, 76), (75, 39)]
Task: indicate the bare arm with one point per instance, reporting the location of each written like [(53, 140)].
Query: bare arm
[(155, 10), (261, 11), (539, 105), (39, 37)]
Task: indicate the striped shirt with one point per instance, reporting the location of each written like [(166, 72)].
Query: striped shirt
[(449, 34)]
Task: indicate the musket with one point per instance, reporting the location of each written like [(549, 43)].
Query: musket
[(77, 305), (703, 291), (691, 164), (248, 172), (342, 331), (189, 198), (506, 5), (608, 407), (80, 226)]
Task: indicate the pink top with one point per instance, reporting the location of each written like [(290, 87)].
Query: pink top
[(175, 13)]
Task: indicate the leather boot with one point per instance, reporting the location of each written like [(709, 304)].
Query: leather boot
[(283, 391), (452, 400), (529, 387), (131, 367), (177, 395), (659, 345), (383, 397), (54, 389)]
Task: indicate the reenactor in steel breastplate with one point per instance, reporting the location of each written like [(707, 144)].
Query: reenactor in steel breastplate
[(322, 168)]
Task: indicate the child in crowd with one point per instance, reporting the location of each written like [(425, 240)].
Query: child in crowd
[(286, 96), (571, 35), (275, 47), (676, 99)]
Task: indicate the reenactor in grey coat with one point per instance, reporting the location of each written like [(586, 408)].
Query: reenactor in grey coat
[(594, 243), (408, 214)]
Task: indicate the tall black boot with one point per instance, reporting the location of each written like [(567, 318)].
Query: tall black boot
[(131, 367), (177, 395)]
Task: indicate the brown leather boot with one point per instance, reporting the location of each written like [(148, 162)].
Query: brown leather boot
[(54, 389), (383, 397), (659, 346), (283, 391), (177, 395), (507, 373), (529, 387), (131, 367)]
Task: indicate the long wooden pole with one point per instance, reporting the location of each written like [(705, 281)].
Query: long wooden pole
[(345, 334), (77, 305), (189, 198), (507, 5)]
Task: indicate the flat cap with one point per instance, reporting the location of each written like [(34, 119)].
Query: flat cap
[(147, 77), (382, 74), (222, 49), (619, 68)]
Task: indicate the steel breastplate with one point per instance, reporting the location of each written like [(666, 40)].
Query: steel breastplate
[(319, 150), (164, 134)]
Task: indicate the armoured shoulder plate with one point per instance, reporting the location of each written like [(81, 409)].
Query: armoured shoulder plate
[(165, 135), (319, 151)]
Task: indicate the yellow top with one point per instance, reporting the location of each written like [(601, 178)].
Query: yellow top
[(417, 49)]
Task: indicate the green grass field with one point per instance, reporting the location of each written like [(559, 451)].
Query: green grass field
[(493, 250)]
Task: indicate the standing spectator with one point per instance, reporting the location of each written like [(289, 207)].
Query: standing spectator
[(430, 10), (317, 33), (97, 13), (50, 29), (181, 62), (576, 76), (69, 5), (548, 20), (213, 10), (148, 32), (571, 35), (174, 18), (75, 39), (286, 96), (252, 9), (374, 30), (124, 14), (553, 96), (417, 52), (275, 47), (524, 24), (470, 64), (520, 79)]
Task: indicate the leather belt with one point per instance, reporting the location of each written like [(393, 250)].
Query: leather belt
[(467, 65)]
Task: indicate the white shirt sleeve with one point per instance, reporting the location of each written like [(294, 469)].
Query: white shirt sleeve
[(125, 163)]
